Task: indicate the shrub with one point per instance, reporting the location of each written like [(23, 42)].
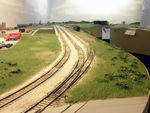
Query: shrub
[(123, 69), (123, 56), (12, 64), (16, 71), (121, 75), (114, 58), (109, 76), (123, 84)]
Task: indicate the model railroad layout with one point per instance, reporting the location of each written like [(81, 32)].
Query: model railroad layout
[(85, 58)]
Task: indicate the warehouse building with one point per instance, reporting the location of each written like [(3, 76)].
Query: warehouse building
[(3, 25), (101, 22)]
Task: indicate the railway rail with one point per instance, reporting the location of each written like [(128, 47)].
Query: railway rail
[(80, 68), (85, 58), (21, 92)]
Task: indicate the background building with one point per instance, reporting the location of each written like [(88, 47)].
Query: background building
[(3, 25), (137, 43)]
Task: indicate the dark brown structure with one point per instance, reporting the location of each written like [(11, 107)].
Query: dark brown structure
[(140, 43)]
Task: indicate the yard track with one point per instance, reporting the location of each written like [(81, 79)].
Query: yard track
[(82, 65), (21, 92)]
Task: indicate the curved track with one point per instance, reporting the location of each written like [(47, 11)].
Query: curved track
[(81, 67), (85, 58), (16, 95)]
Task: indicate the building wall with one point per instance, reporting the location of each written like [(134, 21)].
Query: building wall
[(3, 25), (0, 26), (140, 43)]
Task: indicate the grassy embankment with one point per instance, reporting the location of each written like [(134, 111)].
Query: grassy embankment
[(26, 58), (91, 29), (126, 26), (115, 74)]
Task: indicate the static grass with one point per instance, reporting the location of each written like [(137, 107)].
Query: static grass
[(26, 58), (92, 29), (109, 77), (125, 26), (83, 25)]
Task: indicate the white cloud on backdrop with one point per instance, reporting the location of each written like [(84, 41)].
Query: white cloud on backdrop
[(27, 11), (112, 10), (24, 11)]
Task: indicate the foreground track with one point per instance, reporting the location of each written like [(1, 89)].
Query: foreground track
[(21, 92), (84, 61)]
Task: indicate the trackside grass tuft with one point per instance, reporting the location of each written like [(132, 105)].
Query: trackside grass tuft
[(26, 58), (115, 74)]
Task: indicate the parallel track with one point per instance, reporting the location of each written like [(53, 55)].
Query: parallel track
[(21, 92), (80, 68)]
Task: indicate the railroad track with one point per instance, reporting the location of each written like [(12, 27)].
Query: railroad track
[(21, 92), (80, 68)]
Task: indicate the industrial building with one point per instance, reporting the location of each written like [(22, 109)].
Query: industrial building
[(101, 22), (138, 42), (3, 25)]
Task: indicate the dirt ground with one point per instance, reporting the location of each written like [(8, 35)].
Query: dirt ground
[(46, 31)]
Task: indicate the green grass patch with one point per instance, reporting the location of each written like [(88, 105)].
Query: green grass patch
[(115, 74), (26, 58), (128, 26), (83, 25), (92, 29)]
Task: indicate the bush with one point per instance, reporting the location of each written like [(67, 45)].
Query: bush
[(12, 64), (123, 56), (123, 84), (124, 76), (114, 58), (16, 71), (121, 75), (123, 69), (109, 76)]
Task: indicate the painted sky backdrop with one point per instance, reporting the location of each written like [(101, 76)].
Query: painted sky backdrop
[(115, 11), (28, 11), (24, 11)]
